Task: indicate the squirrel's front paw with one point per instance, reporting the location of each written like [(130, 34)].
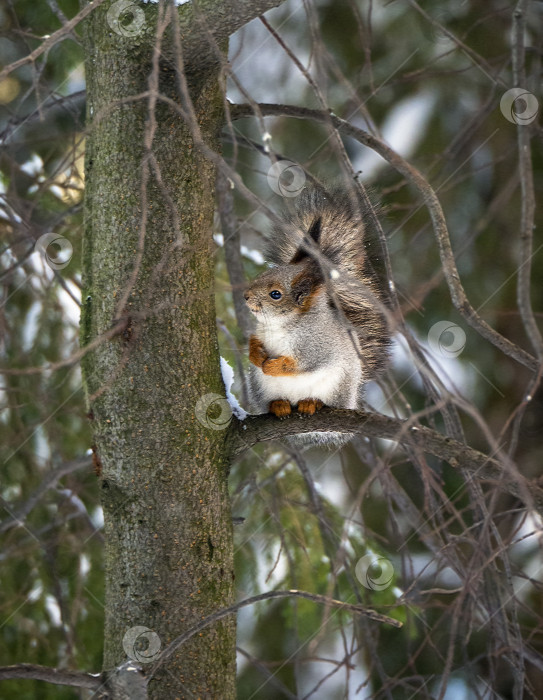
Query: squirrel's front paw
[(257, 354), (280, 408), (280, 366), (309, 406)]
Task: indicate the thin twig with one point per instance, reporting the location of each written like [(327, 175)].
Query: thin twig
[(76, 679), (232, 252), (527, 188), (51, 40), (49, 481), (316, 598)]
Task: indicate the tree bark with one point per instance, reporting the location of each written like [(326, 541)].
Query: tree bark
[(148, 265)]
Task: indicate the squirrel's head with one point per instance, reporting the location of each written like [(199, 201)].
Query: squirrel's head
[(287, 289)]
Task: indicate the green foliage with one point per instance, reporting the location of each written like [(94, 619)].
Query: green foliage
[(52, 580)]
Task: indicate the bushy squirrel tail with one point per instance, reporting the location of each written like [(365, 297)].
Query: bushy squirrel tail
[(334, 228)]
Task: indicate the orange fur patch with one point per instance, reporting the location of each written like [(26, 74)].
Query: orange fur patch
[(282, 366), (280, 408), (316, 288), (310, 300), (257, 354), (309, 406)]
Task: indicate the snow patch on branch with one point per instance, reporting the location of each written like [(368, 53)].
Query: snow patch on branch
[(228, 379)]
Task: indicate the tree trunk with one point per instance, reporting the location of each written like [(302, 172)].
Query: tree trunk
[(148, 266)]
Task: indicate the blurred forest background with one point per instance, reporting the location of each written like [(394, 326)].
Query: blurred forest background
[(428, 78)]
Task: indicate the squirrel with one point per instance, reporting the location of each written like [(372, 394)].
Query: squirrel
[(321, 331)]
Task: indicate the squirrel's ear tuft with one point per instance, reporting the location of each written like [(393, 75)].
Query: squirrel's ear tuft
[(315, 230), (315, 234), (301, 290), (306, 285)]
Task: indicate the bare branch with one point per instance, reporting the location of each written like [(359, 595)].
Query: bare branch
[(264, 428), (51, 40), (219, 18), (76, 679), (232, 252), (73, 359), (48, 482), (476, 58), (315, 597), (527, 223)]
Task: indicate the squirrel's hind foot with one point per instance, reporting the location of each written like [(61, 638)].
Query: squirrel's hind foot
[(280, 408), (309, 406)]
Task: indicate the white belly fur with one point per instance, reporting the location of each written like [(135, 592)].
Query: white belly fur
[(322, 384), (334, 385)]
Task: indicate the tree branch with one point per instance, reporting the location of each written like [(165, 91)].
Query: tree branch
[(116, 329), (222, 19), (315, 597), (232, 252), (527, 223), (51, 40), (18, 515), (263, 428), (76, 679), (206, 24)]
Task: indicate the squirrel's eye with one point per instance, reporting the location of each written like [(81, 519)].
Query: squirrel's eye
[(276, 294)]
